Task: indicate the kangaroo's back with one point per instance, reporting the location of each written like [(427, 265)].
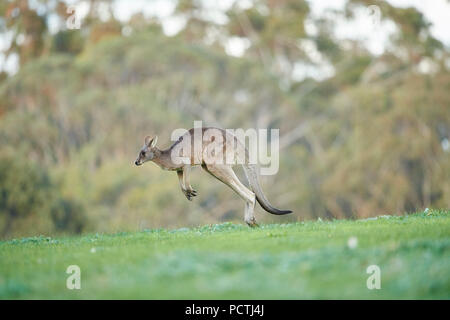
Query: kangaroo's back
[(211, 145)]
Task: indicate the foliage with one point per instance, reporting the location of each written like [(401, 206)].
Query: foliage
[(370, 139), (29, 200)]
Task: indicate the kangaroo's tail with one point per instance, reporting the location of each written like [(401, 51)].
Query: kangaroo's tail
[(252, 176)]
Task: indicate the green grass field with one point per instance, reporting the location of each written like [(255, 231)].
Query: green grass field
[(309, 260)]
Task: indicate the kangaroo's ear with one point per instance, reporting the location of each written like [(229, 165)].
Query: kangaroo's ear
[(150, 142), (147, 140), (154, 140)]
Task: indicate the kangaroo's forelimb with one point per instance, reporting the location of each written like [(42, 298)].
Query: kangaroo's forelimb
[(186, 188)]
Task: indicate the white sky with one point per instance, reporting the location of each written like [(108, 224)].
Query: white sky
[(436, 11), (364, 28)]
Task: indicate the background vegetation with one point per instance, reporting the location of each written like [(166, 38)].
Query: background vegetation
[(369, 139)]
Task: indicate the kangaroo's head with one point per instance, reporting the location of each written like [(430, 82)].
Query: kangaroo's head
[(147, 152)]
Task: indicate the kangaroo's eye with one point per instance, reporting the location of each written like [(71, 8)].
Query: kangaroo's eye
[(143, 153)]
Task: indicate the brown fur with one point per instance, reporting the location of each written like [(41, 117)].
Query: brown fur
[(207, 156)]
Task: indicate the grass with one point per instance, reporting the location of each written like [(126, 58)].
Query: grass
[(309, 260)]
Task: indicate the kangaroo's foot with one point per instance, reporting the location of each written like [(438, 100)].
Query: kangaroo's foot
[(251, 222), (190, 193)]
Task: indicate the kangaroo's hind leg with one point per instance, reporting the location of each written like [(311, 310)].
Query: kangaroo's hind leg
[(226, 174)]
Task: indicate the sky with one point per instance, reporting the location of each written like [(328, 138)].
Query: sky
[(436, 11), (366, 27)]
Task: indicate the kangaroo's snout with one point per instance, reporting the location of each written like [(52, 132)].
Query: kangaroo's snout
[(137, 163)]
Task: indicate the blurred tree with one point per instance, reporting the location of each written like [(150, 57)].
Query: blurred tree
[(26, 28), (29, 200), (414, 35), (371, 138), (197, 24), (274, 29), (24, 190)]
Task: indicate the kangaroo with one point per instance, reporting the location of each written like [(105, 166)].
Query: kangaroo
[(208, 147)]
